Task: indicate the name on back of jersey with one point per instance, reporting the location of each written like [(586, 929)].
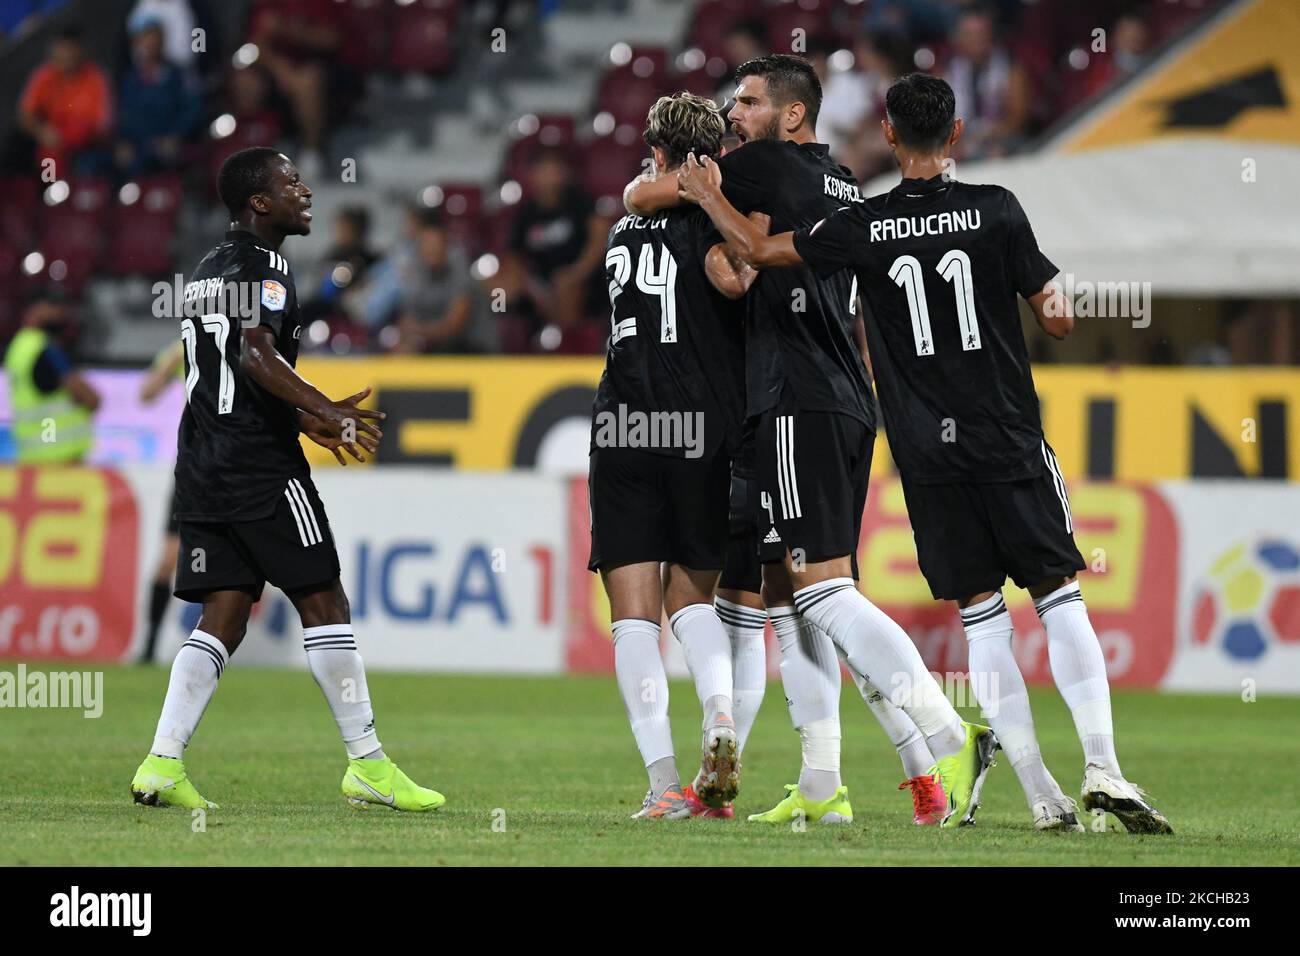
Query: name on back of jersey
[(657, 221), (841, 189), (935, 224), (213, 296)]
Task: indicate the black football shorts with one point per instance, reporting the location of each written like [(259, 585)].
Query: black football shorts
[(293, 549), (649, 507), (813, 469), (971, 537)]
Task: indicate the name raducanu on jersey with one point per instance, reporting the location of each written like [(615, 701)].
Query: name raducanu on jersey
[(904, 227)]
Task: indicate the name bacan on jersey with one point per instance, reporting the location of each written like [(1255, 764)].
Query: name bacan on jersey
[(246, 507), (939, 265), (668, 408), (806, 387)]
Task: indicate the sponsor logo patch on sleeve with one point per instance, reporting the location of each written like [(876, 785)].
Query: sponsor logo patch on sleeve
[(273, 295)]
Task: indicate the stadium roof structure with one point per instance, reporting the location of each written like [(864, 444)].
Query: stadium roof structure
[(1184, 177)]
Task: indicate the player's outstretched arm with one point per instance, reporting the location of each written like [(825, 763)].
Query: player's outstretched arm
[(261, 361), (647, 194), (1054, 312), (700, 184)]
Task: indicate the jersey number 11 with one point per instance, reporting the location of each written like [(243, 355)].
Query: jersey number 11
[(955, 268)]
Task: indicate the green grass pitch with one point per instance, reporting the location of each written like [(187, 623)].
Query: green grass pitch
[(551, 762)]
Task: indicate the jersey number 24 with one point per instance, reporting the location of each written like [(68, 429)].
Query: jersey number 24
[(651, 278)]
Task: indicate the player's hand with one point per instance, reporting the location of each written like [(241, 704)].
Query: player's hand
[(698, 178), (322, 434), (346, 421)]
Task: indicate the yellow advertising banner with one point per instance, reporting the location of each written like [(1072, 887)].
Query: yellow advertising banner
[(1137, 424)]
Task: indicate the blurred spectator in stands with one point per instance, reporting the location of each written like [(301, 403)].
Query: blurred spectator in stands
[(991, 90), (440, 307), (248, 100), (178, 24), (298, 43), (383, 288), (158, 107), (743, 41), (1125, 55), (853, 103), (52, 402), (66, 107), (338, 296), (556, 245)]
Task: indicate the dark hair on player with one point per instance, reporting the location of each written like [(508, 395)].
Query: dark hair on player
[(789, 78), (920, 107), (243, 175), (684, 123), (70, 34)]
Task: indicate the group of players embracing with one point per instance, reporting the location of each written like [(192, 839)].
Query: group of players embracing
[(750, 290)]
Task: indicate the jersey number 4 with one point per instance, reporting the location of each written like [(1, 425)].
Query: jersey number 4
[(653, 279), (218, 326), (955, 268)]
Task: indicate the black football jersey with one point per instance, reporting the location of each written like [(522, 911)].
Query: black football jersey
[(238, 445), (676, 344), (939, 264), (798, 322)]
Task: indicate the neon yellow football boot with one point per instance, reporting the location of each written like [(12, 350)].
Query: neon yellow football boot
[(962, 775), (162, 782), (834, 809), (381, 782)]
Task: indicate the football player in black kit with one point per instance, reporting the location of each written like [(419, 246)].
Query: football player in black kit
[(939, 264), (665, 421), (809, 402), (247, 508)]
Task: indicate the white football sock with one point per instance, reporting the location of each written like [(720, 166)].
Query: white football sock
[(810, 673), (902, 733), (876, 647), (996, 679), (643, 684), (745, 627), (708, 657), (1079, 669), (195, 671), (335, 662)]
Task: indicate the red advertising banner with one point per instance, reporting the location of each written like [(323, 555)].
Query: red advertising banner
[(1127, 534), (68, 563)]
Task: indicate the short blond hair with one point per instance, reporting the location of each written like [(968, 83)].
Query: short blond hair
[(683, 123)]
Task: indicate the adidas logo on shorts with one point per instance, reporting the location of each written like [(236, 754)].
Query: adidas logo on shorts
[(772, 537)]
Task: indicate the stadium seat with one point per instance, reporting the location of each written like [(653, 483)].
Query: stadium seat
[(367, 27), (627, 92), (144, 228), (551, 131), (608, 165), (781, 20), (422, 35), (714, 18), (74, 232), (20, 209)]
